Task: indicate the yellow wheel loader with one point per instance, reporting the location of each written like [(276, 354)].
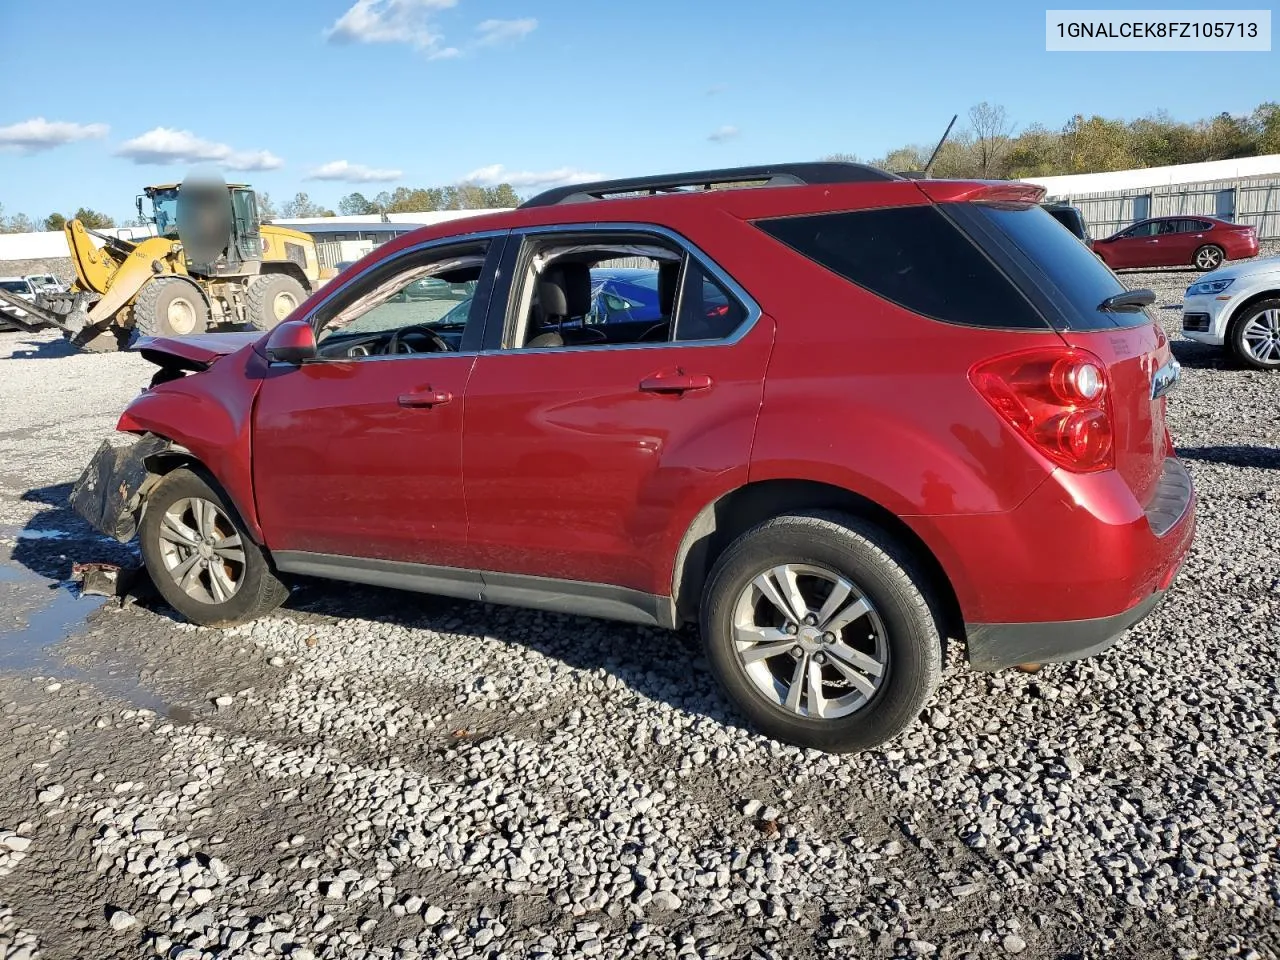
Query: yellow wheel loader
[(211, 265)]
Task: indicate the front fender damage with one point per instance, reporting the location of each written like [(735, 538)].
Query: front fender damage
[(110, 491)]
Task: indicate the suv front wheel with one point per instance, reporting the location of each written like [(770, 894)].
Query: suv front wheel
[(818, 627), (200, 557)]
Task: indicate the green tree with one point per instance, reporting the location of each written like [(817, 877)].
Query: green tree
[(903, 158), (356, 204), (1227, 137), (55, 221), (1266, 126), (302, 206), (93, 219), (503, 195), (266, 208), (1095, 144), (1034, 153)]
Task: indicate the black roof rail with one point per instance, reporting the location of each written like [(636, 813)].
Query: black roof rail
[(774, 175)]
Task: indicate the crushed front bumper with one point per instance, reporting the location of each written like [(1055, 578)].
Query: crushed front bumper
[(109, 492)]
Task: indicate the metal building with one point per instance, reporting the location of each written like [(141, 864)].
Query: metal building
[(1243, 191)]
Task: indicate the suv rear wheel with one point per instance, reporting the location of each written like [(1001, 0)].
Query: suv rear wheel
[(200, 557), (818, 627)]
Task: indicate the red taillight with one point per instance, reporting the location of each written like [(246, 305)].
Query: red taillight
[(1056, 398)]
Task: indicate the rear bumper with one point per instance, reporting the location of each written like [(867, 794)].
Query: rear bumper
[(1067, 572), (994, 646)]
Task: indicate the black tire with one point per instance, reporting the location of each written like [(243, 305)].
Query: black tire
[(1236, 339), (170, 307), (259, 590), (270, 293), (884, 573), (1209, 257)]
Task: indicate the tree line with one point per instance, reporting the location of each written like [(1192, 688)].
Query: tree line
[(21, 223), (992, 146), (401, 200)]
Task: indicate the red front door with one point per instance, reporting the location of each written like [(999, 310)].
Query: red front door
[(363, 458), (579, 462)]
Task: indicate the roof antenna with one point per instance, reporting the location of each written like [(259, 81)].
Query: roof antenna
[(934, 156)]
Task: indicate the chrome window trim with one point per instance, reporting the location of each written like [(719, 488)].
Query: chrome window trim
[(735, 289)]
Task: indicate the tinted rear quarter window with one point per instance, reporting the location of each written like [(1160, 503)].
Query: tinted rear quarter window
[(916, 258), (1077, 281)]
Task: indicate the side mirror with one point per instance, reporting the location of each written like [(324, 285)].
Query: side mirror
[(291, 342)]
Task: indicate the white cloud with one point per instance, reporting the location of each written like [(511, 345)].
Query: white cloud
[(413, 22), (36, 134), (390, 21), (496, 173), (493, 32), (163, 145), (721, 134), (353, 173)]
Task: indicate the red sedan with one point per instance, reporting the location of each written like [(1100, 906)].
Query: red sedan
[(1201, 242)]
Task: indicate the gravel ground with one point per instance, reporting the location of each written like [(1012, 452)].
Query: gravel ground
[(373, 774)]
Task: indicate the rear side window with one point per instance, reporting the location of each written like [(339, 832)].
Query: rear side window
[(1079, 280), (916, 258)]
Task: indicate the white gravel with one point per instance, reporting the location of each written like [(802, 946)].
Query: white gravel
[(371, 774)]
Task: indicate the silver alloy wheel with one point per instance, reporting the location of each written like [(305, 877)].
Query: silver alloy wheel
[(1207, 258), (811, 642), (181, 315), (1262, 335), (202, 550)]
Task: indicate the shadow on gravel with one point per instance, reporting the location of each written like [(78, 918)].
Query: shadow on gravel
[(45, 350), (55, 538), (1201, 356), (661, 665), (654, 663), (1261, 458)]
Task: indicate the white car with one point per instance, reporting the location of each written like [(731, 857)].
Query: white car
[(20, 287), (46, 283), (1238, 307)]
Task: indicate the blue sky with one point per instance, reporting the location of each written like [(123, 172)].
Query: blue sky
[(330, 96)]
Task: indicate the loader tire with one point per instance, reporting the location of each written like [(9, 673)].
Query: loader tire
[(170, 307), (272, 297)]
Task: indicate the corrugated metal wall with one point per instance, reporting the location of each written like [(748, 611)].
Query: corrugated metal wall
[(1255, 201)]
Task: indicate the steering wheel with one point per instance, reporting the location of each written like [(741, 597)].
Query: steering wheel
[(397, 345)]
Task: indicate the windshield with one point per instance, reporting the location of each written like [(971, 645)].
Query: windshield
[(15, 286), (412, 299), (165, 204)]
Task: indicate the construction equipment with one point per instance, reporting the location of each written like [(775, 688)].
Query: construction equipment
[(212, 264)]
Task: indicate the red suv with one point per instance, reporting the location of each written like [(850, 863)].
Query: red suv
[(1200, 242), (872, 413)]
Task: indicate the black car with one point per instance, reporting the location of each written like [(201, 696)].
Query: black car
[(1071, 218)]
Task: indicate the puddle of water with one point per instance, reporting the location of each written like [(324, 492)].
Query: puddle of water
[(36, 615)]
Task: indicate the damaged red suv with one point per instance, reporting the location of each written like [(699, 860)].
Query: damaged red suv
[(855, 414)]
